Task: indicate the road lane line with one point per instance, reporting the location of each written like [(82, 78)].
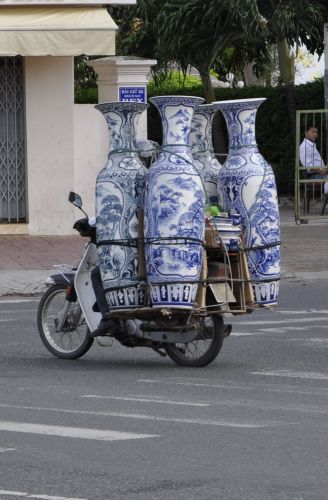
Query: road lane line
[(282, 321), (17, 301), (4, 450), (290, 374), (249, 387), (193, 384), (71, 432), (7, 493), (138, 416), (245, 334), (146, 400), (17, 311), (309, 311)]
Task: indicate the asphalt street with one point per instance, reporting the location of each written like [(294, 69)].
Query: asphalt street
[(127, 424)]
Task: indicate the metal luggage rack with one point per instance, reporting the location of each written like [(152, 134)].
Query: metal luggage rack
[(231, 293)]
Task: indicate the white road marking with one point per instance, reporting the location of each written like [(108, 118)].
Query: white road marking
[(290, 374), (7, 493), (309, 311), (317, 391), (146, 400), (245, 334), (283, 321), (7, 320), (273, 330), (17, 301), (193, 384), (71, 432), (17, 311), (4, 450), (59, 431), (285, 329)]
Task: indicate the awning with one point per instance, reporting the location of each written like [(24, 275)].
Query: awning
[(56, 31)]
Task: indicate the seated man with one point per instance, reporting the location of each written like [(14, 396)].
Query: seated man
[(311, 158)]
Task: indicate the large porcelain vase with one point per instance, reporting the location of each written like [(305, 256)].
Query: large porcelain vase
[(174, 210), (119, 199), (249, 188), (203, 152)]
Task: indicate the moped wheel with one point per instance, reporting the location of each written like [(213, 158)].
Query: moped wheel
[(72, 340), (204, 348)]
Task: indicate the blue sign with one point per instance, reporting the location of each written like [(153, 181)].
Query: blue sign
[(136, 94)]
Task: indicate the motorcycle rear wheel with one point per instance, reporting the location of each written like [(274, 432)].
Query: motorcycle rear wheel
[(204, 348), (73, 340)]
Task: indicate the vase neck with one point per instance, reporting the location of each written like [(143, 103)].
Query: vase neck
[(201, 132), (122, 120), (240, 118), (176, 114)]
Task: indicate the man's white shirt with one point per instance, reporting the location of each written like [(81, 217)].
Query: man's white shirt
[(309, 155)]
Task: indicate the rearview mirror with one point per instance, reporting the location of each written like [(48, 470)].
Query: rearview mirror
[(75, 199)]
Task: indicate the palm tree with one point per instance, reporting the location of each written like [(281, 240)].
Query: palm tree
[(199, 32), (188, 32), (291, 23), (196, 32)]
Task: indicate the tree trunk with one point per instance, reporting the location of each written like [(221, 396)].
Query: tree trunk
[(207, 85), (286, 62), (218, 127), (291, 104)]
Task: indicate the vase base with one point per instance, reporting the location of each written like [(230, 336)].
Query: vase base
[(127, 297), (173, 295), (266, 293)]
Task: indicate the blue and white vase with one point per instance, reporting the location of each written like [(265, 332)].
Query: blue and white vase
[(119, 197), (174, 210), (249, 188), (203, 152)]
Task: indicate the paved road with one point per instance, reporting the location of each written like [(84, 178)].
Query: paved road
[(130, 425)]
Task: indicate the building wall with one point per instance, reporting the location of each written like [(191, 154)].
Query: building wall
[(49, 144), (66, 146), (91, 146)]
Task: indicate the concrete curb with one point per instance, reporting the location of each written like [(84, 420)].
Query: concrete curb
[(21, 282)]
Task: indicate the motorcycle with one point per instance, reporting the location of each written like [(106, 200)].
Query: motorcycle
[(68, 312)]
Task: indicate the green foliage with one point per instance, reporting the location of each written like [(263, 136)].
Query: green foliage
[(275, 138), (175, 80), (86, 96)]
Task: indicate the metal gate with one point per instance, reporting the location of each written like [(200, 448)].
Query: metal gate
[(311, 195), (12, 141)]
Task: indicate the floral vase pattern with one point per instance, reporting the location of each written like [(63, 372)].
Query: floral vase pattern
[(119, 198), (249, 188), (174, 210), (203, 152)]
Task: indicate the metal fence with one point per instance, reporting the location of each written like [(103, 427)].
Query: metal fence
[(311, 195), (12, 141)]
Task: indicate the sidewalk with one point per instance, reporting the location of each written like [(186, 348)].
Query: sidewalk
[(26, 261)]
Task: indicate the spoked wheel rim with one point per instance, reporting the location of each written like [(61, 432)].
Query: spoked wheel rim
[(204, 348), (74, 331)]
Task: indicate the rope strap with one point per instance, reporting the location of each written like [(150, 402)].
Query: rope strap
[(168, 240)]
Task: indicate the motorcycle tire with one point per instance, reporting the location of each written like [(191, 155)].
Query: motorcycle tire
[(210, 336), (73, 341)]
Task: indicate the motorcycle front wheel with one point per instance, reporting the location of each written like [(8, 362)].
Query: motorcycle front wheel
[(204, 348), (72, 340)]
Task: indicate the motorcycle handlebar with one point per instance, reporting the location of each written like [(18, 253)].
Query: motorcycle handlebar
[(85, 230)]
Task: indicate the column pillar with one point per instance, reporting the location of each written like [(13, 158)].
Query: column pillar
[(326, 65), (124, 78)]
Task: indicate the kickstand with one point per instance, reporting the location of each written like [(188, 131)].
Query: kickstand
[(161, 353)]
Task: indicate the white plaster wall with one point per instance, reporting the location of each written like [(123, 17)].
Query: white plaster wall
[(49, 144), (91, 146)]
